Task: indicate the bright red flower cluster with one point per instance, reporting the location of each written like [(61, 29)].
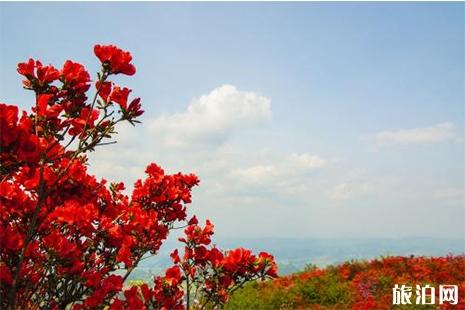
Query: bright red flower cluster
[(358, 285), (37, 75), (69, 240), (203, 276), (216, 274), (116, 59)]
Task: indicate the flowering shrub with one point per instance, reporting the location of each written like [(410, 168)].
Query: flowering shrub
[(357, 285), (69, 240)]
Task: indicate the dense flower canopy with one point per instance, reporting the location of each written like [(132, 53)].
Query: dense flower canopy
[(70, 240), (358, 285)]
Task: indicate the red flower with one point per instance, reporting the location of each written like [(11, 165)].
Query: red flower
[(193, 221), (238, 259), (120, 96), (266, 262), (27, 68), (215, 257), (8, 121), (43, 74), (29, 148), (78, 123), (173, 275), (93, 279), (134, 108), (104, 90), (72, 213), (133, 299), (46, 74), (11, 239), (119, 61), (154, 171), (83, 230), (174, 255), (112, 283), (43, 108), (75, 76), (198, 235)]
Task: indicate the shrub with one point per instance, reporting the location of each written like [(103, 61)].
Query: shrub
[(69, 240)]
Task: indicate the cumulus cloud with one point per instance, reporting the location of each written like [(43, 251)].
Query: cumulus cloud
[(255, 174), (239, 177), (283, 174), (423, 135), (307, 161), (346, 191), (202, 130), (212, 117)]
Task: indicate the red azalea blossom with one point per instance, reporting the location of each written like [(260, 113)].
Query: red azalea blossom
[(120, 96), (198, 235), (173, 275), (358, 285), (118, 60), (46, 74), (134, 108), (104, 90), (8, 122), (65, 234), (75, 77), (46, 108), (27, 68), (35, 72)]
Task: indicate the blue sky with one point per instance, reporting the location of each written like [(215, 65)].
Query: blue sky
[(301, 119)]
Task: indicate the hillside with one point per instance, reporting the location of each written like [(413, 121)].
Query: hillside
[(356, 285)]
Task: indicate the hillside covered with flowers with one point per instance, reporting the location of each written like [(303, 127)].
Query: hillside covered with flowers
[(357, 285)]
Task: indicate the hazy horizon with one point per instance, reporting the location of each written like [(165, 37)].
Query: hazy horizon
[(294, 254)]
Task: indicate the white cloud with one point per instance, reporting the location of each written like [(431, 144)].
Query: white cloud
[(212, 117), (423, 135), (346, 191), (450, 194), (307, 161), (239, 176), (284, 175), (291, 167), (255, 174)]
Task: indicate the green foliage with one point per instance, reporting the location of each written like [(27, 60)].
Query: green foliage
[(136, 283)]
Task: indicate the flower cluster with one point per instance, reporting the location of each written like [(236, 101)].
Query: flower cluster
[(115, 59), (214, 274), (69, 240), (357, 285), (203, 276)]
